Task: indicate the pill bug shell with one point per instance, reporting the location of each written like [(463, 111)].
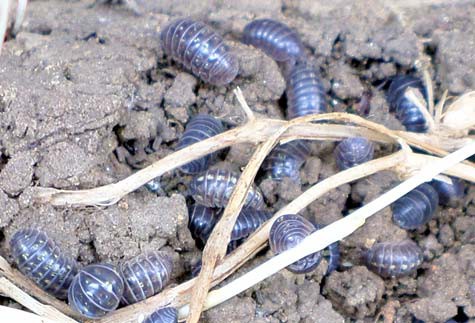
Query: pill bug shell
[(40, 258), (451, 191), (274, 38), (407, 111), (416, 208), (163, 315), (285, 160), (144, 276), (305, 92), (248, 221), (200, 49), (353, 151), (394, 259), (199, 128), (213, 188), (331, 253), (96, 290), (287, 232)]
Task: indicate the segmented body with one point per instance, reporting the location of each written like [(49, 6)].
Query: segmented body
[(199, 128), (305, 92), (407, 111), (200, 49), (331, 254), (213, 188), (274, 38), (40, 258), (353, 151), (416, 208), (96, 290), (285, 160), (248, 221), (163, 315), (287, 232), (450, 194), (144, 276), (394, 259)]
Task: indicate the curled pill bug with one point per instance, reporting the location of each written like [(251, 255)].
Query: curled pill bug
[(353, 151), (213, 188), (96, 290), (287, 232), (200, 50), (407, 111), (39, 258), (202, 220), (163, 315), (285, 160), (416, 208), (394, 259), (274, 38), (305, 92), (199, 128), (144, 276), (451, 190)]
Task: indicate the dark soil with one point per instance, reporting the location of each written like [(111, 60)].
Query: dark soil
[(87, 97)]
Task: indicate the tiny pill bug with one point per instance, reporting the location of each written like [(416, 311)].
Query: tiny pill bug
[(163, 315), (200, 49), (144, 276), (39, 258), (213, 188), (416, 208), (96, 290), (305, 92), (285, 160), (286, 233), (353, 151), (274, 38), (394, 259), (407, 111), (451, 190), (199, 128)]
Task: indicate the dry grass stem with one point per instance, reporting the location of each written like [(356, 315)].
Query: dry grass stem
[(10, 314), (20, 15), (4, 11)]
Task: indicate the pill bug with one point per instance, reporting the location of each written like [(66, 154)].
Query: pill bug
[(394, 259), (213, 188), (199, 128), (407, 111), (333, 257), (154, 185), (248, 221), (274, 38), (163, 315), (96, 290), (285, 160), (416, 208), (305, 92), (451, 190), (200, 49), (353, 151), (40, 258), (287, 232), (232, 245), (144, 276)]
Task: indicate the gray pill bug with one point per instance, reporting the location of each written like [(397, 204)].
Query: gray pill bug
[(200, 50), (451, 190), (39, 258), (213, 188), (96, 290), (286, 233), (305, 92), (416, 208), (144, 276), (199, 128), (274, 38), (394, 259), (285, 160), (163, 315), (353, 151)]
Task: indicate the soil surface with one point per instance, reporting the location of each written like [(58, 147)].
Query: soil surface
[(87, 97)]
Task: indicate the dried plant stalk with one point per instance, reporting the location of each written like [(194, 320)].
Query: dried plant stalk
[(10, 314)]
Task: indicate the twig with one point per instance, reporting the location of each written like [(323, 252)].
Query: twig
[(333, 232), (216, 246), (247, 110), (20, 15), (4, 12), (45, 311), (10, 314)]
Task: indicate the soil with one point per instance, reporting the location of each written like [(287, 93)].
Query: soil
[(87, 97)]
